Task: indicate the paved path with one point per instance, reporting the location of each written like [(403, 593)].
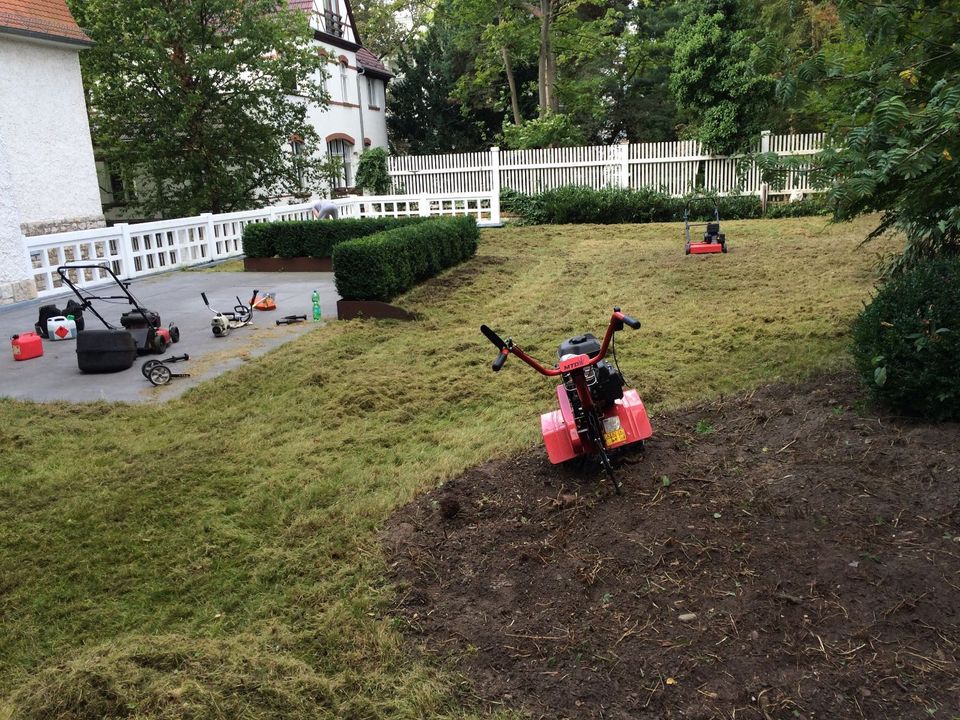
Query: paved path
[(176, 296)]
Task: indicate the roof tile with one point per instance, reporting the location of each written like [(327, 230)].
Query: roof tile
[(49, 18)]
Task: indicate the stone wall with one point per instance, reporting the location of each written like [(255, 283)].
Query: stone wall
[(64, 225)]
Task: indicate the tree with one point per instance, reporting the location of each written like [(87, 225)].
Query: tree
[(424, 114), (372, 172), (716, 79), (894, 81), (389, 26), (195, 99)]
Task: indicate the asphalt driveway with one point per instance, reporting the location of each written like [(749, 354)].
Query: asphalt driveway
[(176, 296)]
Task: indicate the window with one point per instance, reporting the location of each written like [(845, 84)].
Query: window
[(332, 21), (343, 150), (296, 151), (343, 82), (373, 92)]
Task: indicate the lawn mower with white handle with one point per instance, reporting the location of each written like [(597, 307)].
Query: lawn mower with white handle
[(596, 413)]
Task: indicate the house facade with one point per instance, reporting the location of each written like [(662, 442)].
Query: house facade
[(356, 117), (48, 180)]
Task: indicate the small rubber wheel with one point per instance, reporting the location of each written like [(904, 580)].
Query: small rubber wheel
[(159, 344), (723, 247), (147, 367), (174, 333), (686, 249), (159, 374)]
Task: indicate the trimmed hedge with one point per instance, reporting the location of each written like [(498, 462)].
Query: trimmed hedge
[(906, 342), (381, 266), (312, 238), (575, 204)]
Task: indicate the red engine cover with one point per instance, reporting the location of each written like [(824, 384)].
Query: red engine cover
[(559, 428)]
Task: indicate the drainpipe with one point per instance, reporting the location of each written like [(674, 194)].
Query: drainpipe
[(360, 71)]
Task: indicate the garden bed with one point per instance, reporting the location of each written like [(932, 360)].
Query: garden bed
[(777, 554)]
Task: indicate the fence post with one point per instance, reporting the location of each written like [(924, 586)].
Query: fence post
[(495, 185), (126, 251), (624, 164), (209, 236), (764, 187), (423, 206)]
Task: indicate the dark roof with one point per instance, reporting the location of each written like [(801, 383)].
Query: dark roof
[(46, 19), (368, 61)]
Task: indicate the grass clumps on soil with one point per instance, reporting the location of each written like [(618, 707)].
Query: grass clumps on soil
[(251, 505), (178, 677)]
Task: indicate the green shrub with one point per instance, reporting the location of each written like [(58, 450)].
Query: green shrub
[(258, 240), (372, 173), (312, 238), (381, 266), (816, 205), (906, 342), (575, 204)]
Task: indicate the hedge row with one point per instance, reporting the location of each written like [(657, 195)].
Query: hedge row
[(381, 266), (575, 204), (312, 238), (906, 342)]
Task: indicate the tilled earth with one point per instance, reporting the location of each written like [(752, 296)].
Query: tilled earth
[(774, 555)]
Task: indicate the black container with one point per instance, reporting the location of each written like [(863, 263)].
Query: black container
[(104, 351)]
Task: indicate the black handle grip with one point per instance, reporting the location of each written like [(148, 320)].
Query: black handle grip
[(635, 324), (205, 301), (498, 363), (493, 337)]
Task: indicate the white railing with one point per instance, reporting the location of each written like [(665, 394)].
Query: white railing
[(678, 167), (146, 248)]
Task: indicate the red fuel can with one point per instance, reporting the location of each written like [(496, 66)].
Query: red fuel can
[(26, 346)]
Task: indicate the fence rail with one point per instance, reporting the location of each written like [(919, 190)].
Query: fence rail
[(678, 167), (142, 249)]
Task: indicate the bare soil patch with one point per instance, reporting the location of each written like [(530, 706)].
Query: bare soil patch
[(775, 555)]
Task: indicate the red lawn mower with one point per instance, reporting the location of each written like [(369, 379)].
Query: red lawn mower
[(596, 414), (713, 241)]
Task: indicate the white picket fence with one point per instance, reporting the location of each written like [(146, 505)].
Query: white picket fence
[(146, 248), (677, 167)]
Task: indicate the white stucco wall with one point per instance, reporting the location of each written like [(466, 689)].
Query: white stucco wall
[(342, 115), (16, 280), (43, 121)]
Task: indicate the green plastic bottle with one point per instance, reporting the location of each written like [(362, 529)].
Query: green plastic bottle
[(316, 305)]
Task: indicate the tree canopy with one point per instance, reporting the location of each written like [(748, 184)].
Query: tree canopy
[(195, 100)]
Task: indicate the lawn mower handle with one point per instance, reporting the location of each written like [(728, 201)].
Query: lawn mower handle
[(617, 321)]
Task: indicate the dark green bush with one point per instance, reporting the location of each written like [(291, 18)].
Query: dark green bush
[(381, 266), (575, 204), (313, 238), (258, 240), (906, 342), (816, 205)]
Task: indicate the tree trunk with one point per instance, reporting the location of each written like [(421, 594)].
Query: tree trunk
[(512, 82), (547, 66)]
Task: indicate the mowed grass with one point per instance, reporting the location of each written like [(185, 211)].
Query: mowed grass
[(217, 556)]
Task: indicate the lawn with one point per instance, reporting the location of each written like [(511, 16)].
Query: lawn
[(218, 556)]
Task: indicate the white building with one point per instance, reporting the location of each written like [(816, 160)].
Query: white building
[(48, 179), (356, 117)]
